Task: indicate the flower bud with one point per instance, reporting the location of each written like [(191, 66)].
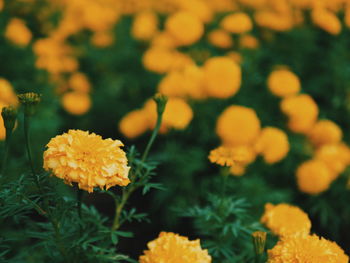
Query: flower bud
[(259, 241), (29, 100), (161, 101), (9, 115)]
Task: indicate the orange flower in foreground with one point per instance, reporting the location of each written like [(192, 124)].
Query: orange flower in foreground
[(87, 159), (238, 125), (284, 219), (310, 249), (173, 248)]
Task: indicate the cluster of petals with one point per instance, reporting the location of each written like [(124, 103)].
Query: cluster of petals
[(87, 159)]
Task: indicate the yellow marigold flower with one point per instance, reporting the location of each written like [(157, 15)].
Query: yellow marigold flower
[(164, 40), (272, 144), (134, 124), (7, 94), (79, 82), (76, 103), (187, 82), (87, 159), (199, 8), (222, 77), (309, 248), (17, 32), (248, 41), (178, 114), (326, 20), (238, 125), (313, 177), (335, 156), (145, 26), (237, 169), (284, 220), (228, 156), (184, 27), (325, 132), (102, 39), (220, 38), (237, 23), (302, 112), (283, 83), (273, 20), (173, 248)]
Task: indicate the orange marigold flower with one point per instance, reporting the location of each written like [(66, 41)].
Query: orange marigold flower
[(102, 39), (76, 103), (145, 26), (17, 32), (325, 132), (87, 159), (79, 82), (283, 83), (326, 20), (185, 27), (199, 8), (274, 20), (313, 177), (302, 112), (7, 94), (228, 156), (309, 248), (220, 38), (248, 41), (335, 156), (173, 248), (284, 220), (237, 23), (238, 125), (134, 124), (222, 77), (272, 144)]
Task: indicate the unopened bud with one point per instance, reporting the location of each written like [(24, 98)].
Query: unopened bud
[(29, 101), (9, 115), (161, 101), (259, 241)]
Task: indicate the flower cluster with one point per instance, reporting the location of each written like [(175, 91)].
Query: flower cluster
[(331, 156), (296, 244), (88, 160), (239, 128)]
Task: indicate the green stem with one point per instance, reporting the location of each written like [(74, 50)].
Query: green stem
[(79, 200), (7, 147), (29, 152), (128, 191)]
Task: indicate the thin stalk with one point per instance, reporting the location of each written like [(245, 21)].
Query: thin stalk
[(29, 152), (79, 200), (7, 147), (128, 191)]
